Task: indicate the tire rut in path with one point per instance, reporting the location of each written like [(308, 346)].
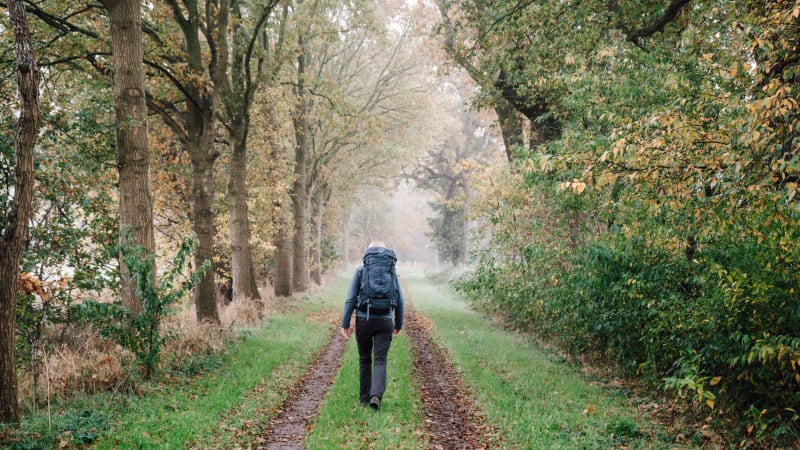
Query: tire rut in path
[(287, 431), (452, 420)]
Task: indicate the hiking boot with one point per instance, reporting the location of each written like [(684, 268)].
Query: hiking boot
[(375, 403)]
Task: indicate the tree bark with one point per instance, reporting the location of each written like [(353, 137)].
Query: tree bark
[(282, 282), (316, 225), (510, 126), (199, 142), (244, 279), (299, 206), (299, 186), (282, 276), (133, 154), (15, 221), (203, 156)]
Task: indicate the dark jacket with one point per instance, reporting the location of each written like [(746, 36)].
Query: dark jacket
[(352, 300)]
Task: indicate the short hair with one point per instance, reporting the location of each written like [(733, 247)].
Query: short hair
[(376, 243)]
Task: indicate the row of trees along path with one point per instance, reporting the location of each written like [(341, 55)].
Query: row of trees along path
[(452, 421)]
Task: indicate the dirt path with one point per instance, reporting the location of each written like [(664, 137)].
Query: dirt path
[(287, 431), (451, 418)]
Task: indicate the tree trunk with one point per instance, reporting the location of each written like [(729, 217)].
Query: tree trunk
[(299, 196), (203, 156), (282, 282), (316, 222), (199, 142), (299, 187), (510, 127), (15, 223), (133, 155), (244, 279), (282, 276), (237, 89), (346, 237)]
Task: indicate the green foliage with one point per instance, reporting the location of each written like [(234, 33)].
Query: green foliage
[(447, 231), (70, 429), (140, 334), (533, 397), (329, 254), (70, 251), (671, 247)]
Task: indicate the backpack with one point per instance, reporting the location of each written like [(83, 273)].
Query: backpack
[(378, 281)]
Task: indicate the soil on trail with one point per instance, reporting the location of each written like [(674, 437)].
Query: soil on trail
[(452, 420), (287, 431)]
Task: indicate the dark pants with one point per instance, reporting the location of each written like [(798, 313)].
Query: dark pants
[(373, 334)]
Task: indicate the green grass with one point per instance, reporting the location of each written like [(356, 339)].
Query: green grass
[(211, 412), (225, 406), (343, 423), (533, 398)]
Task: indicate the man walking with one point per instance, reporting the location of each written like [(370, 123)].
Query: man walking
[(375, 296)]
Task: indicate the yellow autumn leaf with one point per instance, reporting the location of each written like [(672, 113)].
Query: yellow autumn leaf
[(710, 403), (715, 381)]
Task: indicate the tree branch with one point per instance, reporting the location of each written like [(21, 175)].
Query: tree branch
[(670, 14)]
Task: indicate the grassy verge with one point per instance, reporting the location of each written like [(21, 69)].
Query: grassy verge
[(237, 391), (179, 415), (534, 399), (343, 423)]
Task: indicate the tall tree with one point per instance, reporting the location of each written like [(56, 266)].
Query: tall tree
[(16, 214), (444, 170), (299, 192), (255, 61), (194, 67), (368, 97), (133, 152), (185, 66), (282, 276)]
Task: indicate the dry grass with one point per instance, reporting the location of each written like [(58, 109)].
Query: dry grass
[(243, 313), (85, 362), (190, 339)]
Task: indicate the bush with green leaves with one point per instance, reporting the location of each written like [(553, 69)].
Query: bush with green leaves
[(714, 318), (141, 334)]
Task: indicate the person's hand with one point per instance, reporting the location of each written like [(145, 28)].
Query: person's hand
[(346, 332), (396, 331)]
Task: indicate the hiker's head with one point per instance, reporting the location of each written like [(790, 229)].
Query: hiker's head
[(376, 243)]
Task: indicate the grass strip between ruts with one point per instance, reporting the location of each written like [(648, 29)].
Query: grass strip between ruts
[(534, 399), (343, 423)]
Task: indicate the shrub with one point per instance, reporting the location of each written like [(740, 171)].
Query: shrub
[(141, 334)]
